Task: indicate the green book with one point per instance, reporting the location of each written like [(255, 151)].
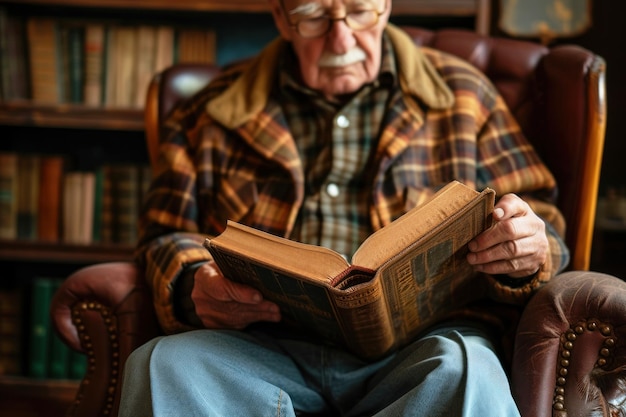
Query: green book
[(59, 351), (42, 291)]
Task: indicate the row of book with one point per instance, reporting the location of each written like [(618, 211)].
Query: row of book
[(45, 355), (41, 200), (56, 60)]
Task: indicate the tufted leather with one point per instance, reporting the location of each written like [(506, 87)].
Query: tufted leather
[(557, 96), (570, 352)]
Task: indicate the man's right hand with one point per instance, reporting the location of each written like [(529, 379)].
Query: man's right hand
[(223, 304)]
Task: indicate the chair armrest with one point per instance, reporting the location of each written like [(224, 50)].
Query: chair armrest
[(570, 348), (105, 311)]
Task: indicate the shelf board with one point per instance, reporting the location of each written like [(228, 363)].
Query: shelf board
[(27, 113), (400, 7), (26, 397), (38, 388), (34, 251)]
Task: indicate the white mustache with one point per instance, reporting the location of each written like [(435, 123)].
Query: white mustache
[(354, 55)]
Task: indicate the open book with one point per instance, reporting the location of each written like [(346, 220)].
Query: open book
[(402, 279)]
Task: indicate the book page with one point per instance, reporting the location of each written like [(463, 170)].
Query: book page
[(404, 231), (309, 262)]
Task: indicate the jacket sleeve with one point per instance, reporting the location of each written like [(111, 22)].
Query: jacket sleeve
[(170, 237), (509, 164)]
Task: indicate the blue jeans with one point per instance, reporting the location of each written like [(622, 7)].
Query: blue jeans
[(448, 372)]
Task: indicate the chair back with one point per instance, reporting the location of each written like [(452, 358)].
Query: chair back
[(557, 95)]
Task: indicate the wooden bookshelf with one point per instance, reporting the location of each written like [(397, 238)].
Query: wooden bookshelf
[(28, 126), (55, 252), (25, 397), (26, 113), (413, 7)]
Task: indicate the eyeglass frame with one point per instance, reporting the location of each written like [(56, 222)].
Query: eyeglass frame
[(331, 20)]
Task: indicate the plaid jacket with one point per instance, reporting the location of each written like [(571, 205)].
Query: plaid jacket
[(228, 154)]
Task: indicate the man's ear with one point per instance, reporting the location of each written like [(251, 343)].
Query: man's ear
[(280, 20)]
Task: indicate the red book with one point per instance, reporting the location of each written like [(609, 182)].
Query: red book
[(50, 191)]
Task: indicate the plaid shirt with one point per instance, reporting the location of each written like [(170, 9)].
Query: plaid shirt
[(229, 153)]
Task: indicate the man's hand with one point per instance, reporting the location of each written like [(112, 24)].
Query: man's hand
[(515, 245), (224, 304)]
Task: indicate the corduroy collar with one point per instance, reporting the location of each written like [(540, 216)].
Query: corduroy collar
[(248, 95)]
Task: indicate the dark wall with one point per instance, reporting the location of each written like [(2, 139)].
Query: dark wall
[(606, 37)]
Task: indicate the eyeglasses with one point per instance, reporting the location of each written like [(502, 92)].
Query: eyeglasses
[(355, 20)]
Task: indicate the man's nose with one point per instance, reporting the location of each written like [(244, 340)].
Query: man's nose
[(340, 37)]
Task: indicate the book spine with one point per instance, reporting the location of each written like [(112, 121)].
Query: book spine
[(8, 194), (28, 196), (49, 199), (17, 60), (40, 327), (72, 190), (10, 331), (164, 48), (146, 53), (42, 47), (98, 199), (59, 352), (126, 194), (87, 197), (126, 60), (76, 61), (363, 315), (94, 47), (106, 219), (5, 79)]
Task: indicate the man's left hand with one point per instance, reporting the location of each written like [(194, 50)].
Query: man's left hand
[(516, 244)]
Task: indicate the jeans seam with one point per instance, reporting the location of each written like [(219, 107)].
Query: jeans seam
[(278, 408)]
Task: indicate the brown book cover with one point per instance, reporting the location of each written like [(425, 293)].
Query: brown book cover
[(44, 63), (8, 194), (402, 279), (196, 46), (49, 200), (11, 331)]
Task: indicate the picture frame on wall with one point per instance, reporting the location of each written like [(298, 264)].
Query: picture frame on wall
[(545, 19)]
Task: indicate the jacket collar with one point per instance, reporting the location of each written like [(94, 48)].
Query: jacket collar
[(248, 95)]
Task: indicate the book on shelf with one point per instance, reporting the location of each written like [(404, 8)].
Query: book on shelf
[(13, 71), (28, 168), (49, 198), (71, 51), (48, 356), (196, 46), (402, 279), (78, 206), (145, 65), (40, 327), (43, 59), (10, 331), (164, 48), (94, 47), (59, 355), (8, 194)]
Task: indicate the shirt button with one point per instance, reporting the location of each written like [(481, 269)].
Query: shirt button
[(332, 189), (342, 121)]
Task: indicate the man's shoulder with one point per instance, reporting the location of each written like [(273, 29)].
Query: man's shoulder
[(448, 64)]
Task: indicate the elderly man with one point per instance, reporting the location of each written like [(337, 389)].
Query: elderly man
[(333, 131)]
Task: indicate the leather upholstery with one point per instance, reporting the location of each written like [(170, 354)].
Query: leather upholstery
[(569, 344)]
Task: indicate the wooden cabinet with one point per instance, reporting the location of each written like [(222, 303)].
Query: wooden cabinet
[(90, 136)]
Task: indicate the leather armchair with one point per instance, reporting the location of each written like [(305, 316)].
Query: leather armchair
[(570, 349)]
